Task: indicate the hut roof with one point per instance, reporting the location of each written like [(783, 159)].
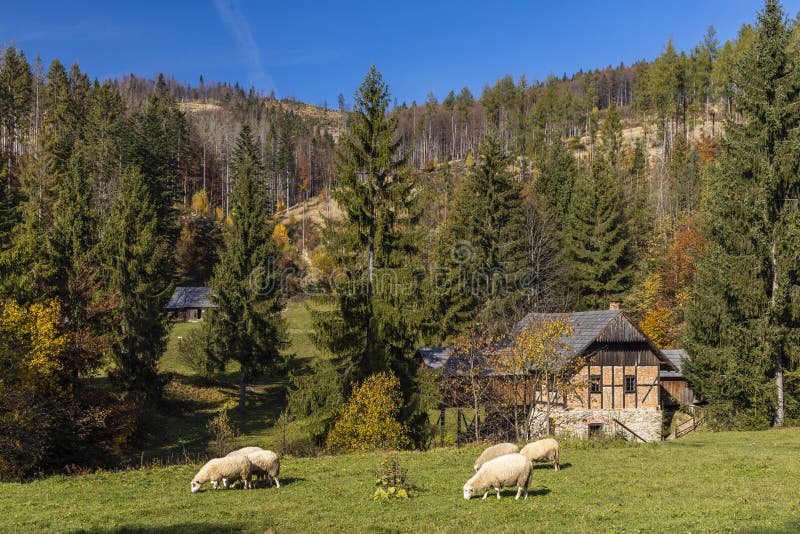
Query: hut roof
[(190, 297), (677, 357)]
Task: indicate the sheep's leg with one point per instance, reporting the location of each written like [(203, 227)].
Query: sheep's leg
[(277, 484), (519, 491), (485, 494), (497, 489), (215, 484), (526, 492)]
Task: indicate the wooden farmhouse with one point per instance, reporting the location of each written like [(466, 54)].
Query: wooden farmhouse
[(616, 378), (189, 303)]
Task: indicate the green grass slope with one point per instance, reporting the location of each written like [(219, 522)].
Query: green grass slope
[(707, 482)]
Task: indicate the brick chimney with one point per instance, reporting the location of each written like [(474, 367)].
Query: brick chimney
[(613, 305)]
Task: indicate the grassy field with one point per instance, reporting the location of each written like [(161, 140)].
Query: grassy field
[(706, 482), (180, 429)]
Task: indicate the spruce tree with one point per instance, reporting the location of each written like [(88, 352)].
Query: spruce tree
[(635, 195), (248, 326), (137, 264), (160, 143), (595, 239), (108, 141), (743, 313), (375, 326), (26, 269), (483, 249), (556, 180), (71, 251), (611, 137), (60, 123)]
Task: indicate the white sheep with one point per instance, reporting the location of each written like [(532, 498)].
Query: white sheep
[(267, 464), (264, 463), (544, 450), (495, 451), (221, 470), (244, 451), (509, 470)]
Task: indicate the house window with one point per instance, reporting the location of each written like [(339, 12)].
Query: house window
[(630, 384), (595, 384), (595, 430)]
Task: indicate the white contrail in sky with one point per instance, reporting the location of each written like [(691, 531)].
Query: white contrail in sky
[(235, 21)]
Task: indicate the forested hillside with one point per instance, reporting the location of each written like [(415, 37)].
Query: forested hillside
[(414, 223)]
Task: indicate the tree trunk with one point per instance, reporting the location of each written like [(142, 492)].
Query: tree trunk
[(777, 358), (242, 391)]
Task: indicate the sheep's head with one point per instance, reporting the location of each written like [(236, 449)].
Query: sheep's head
[(195, 486), (468, 490)]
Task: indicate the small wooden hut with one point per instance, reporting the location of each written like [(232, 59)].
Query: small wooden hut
[(190, 303)]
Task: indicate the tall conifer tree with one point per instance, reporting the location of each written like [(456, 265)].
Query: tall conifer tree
[(483, 250), (248, 327), (556, 180), (744, 314), (137, 265), (595, 239), (161, 140), (375, 326)]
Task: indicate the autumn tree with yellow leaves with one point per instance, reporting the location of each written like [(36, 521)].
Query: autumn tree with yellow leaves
[(540, 370), (369, 420), (31, 352)]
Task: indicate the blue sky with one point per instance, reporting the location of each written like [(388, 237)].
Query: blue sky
[(314, 51)]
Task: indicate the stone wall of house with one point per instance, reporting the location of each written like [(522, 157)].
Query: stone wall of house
[(645, 423)]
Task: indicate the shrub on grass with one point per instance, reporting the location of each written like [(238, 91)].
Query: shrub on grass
[(193, 353), (391, 480), (369, 419), (223, 433)]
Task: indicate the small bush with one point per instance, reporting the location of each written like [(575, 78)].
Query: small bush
[(392, 481), (222, 432), (368, 421), (193, 353), (298, 442)]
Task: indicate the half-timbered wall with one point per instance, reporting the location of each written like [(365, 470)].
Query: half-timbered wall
[(609, 368)]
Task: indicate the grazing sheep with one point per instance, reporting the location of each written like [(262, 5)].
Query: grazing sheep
[(222, 469), (266, 463), (495, 451), (509, 470), (244, 451), (544, 450)]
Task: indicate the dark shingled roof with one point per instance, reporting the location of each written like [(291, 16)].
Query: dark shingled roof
[(677, 357), (603, 326), (190, 297), (586, 326)]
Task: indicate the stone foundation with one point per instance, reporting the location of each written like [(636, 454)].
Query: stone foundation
[(645, 423)]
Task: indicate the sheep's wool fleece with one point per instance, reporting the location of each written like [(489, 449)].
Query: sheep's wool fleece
[(495, 451), (509, 470), (244, 451), (541, 451)]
